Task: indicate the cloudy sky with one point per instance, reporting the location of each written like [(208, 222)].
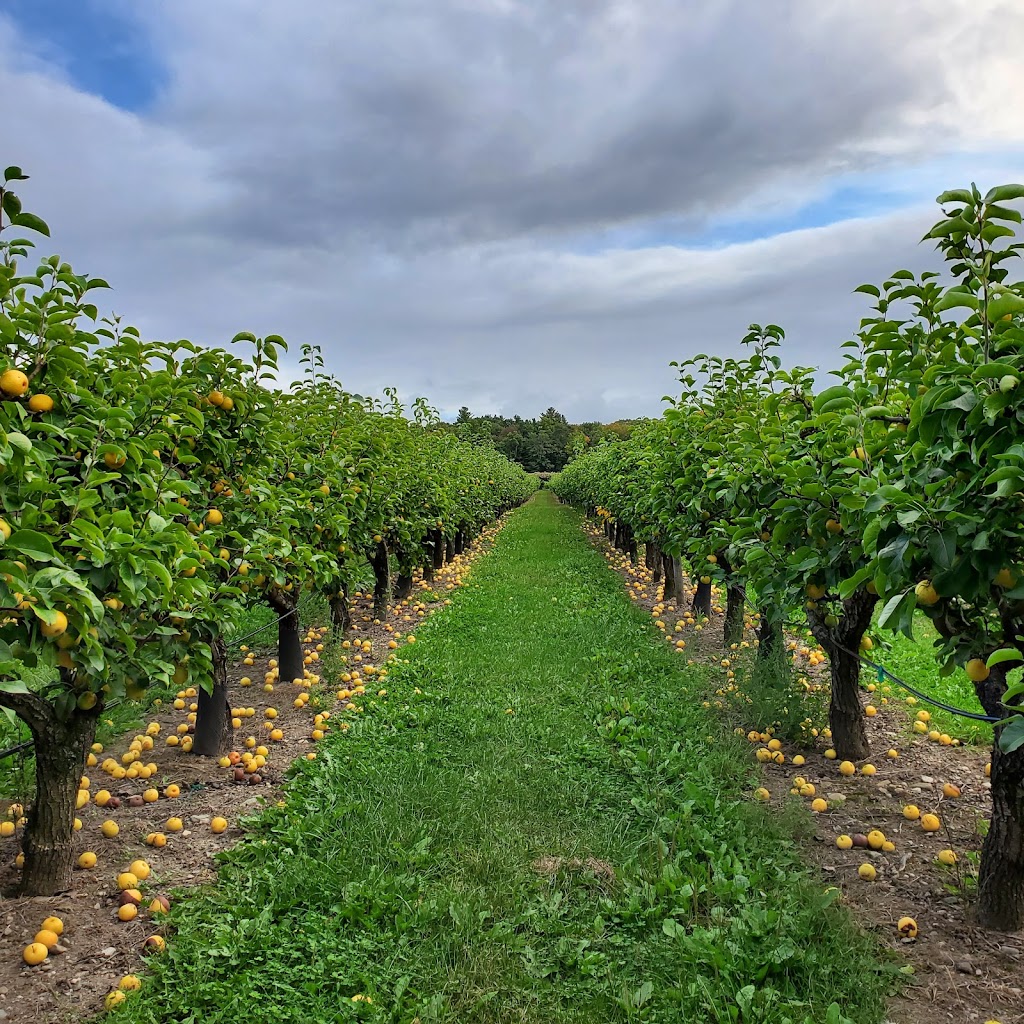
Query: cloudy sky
[(507, 204)]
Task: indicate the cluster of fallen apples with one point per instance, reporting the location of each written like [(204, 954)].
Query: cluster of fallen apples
[(47, 939), (875, 840), (769, 749)]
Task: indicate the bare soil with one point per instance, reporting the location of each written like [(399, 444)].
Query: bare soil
[(956, 972), (97, 949)]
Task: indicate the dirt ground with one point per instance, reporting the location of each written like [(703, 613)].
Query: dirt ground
[(97, 949), (956, 972)]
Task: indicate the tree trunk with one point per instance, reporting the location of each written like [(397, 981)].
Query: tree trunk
[(381, 565), (735, 603), (1001, 871), (769, 635), (736, 597), (650, 555), (60, 750), (845, 715), (681, 596), (437, 538), (460, 540), (213, 716), (341, 617), (631, 545), (289, 643), (403, 583), (702, 599), (655, 555), (449, 549), (842, 644), (672, 588)]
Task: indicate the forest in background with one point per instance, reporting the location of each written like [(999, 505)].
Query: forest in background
[(540, 445)]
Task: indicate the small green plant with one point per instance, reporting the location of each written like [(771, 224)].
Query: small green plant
[(772, 696)]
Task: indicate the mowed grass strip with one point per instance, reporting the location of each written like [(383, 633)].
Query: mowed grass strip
[(538, 823)]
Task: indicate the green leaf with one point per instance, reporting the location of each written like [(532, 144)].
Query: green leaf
[(955, 195), (14, 173), (47, 615), (1003, 655), (994, 212), (898, 612), (942, 548), (990, 232), (1006, 304), (950, 226), (36, 545), (868, 289), (854, 583), (838, 394), (954, 299), (1011, 736), (1004, 194), (32, 222)]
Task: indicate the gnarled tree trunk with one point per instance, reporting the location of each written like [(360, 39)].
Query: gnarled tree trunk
[(735, 602), (769, 635), (60, 751), (631, 545), (842, 645), (404, 580), (657, 560), (213, 716), (1001, 872), (672, 589), (702, 599)]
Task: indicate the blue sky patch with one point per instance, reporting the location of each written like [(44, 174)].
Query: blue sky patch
[(839, 198), (97, 44)]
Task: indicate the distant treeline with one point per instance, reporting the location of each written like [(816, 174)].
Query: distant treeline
[(544, 444)]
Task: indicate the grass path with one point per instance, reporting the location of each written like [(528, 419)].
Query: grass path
[(429, 860)]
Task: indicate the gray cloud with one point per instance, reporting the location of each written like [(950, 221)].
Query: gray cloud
[(422, 189), (476, 121)]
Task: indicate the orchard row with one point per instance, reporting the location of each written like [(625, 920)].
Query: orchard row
[(152, 491), (894, 491)]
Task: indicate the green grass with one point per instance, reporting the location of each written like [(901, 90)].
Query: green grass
[(537, 717), (914, 662)]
